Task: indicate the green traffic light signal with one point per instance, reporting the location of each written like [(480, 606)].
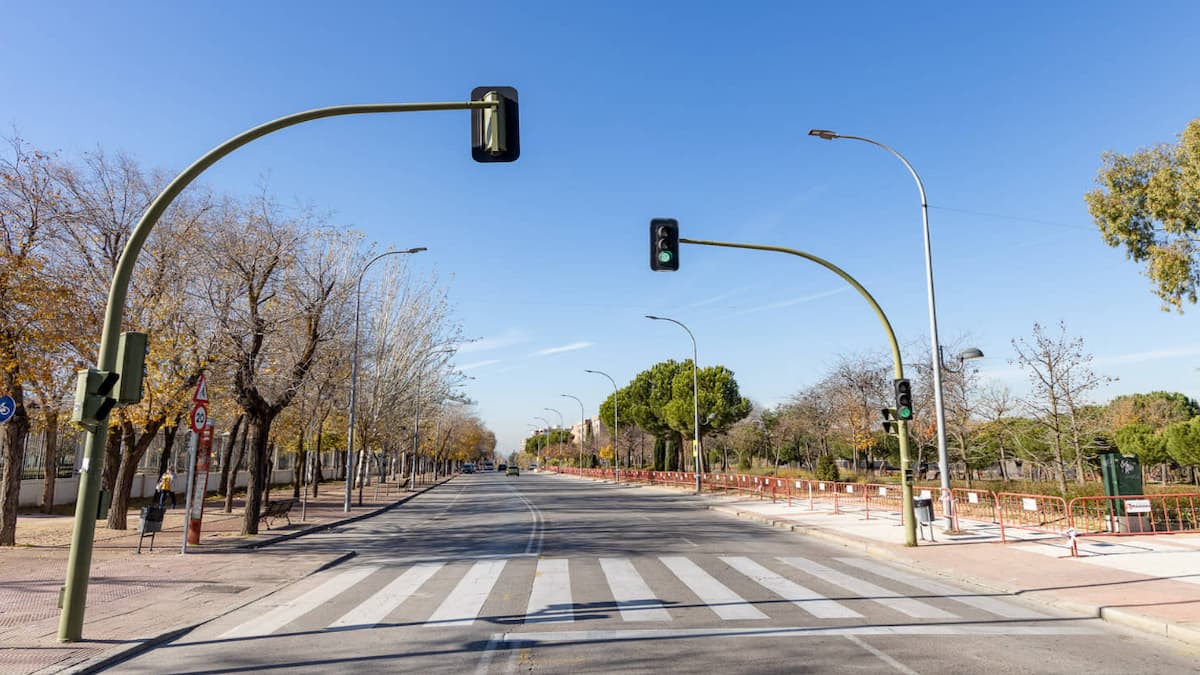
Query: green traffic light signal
[(904, 409), (664, 245)]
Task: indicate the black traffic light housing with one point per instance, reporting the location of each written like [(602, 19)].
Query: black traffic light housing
[(495, 132), (664, 245), (890, 425), (904, 404)]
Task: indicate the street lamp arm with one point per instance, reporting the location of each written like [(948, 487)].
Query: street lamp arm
[(829, 135)]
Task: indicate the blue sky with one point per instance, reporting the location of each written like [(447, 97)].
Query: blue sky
[(697, 111)]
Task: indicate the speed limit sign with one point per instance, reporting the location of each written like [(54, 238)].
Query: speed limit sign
[(199, 417)]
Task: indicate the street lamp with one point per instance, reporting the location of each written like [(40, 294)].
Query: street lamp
[(935, 355), (560, 421), (354, 371), (695, 396), (964, 355), (539, 455), (582, 417), (616, 456)]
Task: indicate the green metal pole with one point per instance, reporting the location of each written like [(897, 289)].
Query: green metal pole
[(74, 592), (910, 528)]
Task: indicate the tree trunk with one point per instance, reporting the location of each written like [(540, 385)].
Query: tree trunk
[(237, 465), (50, 461), (257, 432), (298, 469), (12, 446), (112, 455), (133, 450), (227, 454), (317, 475), (168, 447)]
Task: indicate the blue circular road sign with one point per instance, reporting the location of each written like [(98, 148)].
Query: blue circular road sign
[(8, 407)]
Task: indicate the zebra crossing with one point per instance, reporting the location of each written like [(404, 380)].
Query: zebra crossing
[(667, 590)]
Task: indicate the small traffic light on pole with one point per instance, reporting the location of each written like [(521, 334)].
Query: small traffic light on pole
[(890, 425), (92, 400), (495, 131), (664, 245), (904, 405)]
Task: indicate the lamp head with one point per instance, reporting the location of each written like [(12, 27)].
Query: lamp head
[(416, 250), (823, 133), (971, 353)]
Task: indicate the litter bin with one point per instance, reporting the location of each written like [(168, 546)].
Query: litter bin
[(923, 509), (151, 521)]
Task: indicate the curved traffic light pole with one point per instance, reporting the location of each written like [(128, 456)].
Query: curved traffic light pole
[(74, 595), (910, 530)]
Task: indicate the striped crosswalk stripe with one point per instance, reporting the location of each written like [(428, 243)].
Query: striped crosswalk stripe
[(868, 590), (633, 597), (290, 611), (719, 598), (550, 598), (376, 608), (464, 602), (992, 605), (804, 598)]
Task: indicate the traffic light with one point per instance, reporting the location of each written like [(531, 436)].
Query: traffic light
[(131, 365), (92, 400), (890, 425), (664, 245), (904, 406), (495, 132)]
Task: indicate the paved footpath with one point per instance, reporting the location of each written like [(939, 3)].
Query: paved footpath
[(1146, 583), (136, 600)]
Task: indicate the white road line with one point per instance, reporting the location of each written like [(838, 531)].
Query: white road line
[(293, 609), (719, 598), (930, 629), (463, 604), (550, 598), (631, 593), (806, 599), (900, 667), (870, 591), (998, 607), (376, 608)]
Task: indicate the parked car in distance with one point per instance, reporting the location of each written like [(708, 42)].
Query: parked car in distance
[(468, 468), (501, 467), (512, 471), (488, 466)]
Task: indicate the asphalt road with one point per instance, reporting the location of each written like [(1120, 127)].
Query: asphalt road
[(541, 573)]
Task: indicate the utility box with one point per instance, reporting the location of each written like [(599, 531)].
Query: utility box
[(1122, 475)]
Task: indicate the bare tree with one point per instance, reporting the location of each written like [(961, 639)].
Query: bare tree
[(1060, 374)]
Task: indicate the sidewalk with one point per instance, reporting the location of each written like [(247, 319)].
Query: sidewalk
[(135, 600), (1148, 583)]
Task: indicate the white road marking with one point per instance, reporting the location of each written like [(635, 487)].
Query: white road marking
[(870, 591), (719, 598), (293, 609), (463, 604), (931, 629), (806, 599), (900, 667), (992, 605), (550, 598), (631, 593), (376, 608)]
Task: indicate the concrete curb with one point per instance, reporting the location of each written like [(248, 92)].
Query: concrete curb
[(123, 653)]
